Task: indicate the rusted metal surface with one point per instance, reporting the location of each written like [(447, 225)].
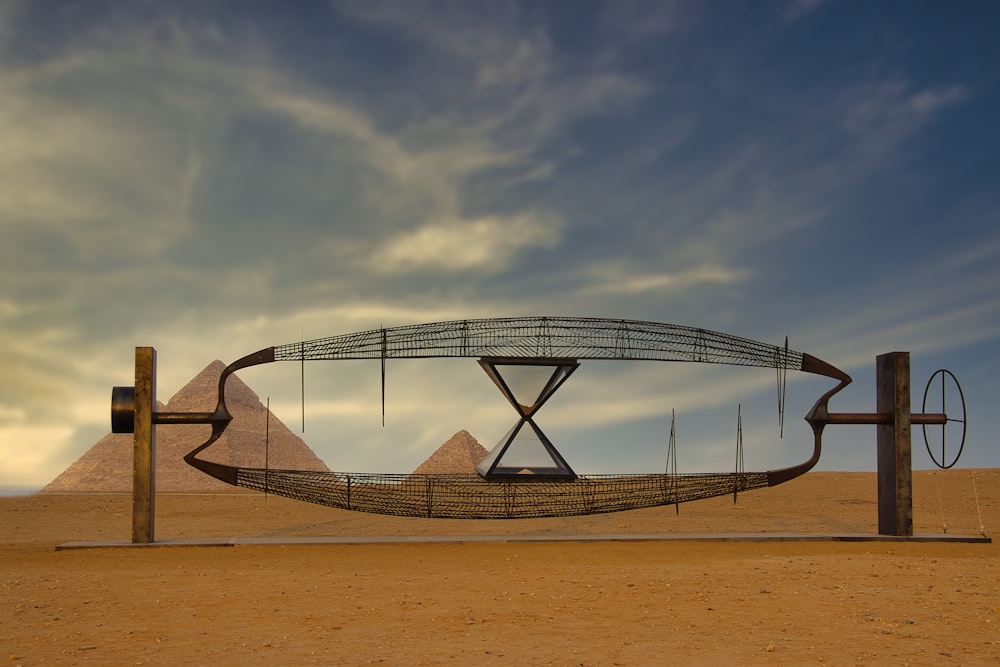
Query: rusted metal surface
[(895, 476), (144, 448), (894, 421)]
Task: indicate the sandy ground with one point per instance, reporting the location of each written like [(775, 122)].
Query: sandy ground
[(575, 603)]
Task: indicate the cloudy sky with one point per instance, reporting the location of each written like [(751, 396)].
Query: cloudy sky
[(213, 178)]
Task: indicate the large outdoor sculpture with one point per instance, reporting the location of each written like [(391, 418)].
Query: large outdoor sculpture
[(525, 475)]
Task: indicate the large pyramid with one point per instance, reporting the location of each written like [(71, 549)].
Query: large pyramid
[(459, 454), (107, 466)]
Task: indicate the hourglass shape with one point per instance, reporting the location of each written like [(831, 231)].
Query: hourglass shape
[(525, 452)]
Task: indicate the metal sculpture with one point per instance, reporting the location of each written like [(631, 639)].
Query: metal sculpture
[(893, 420), (503, 489)]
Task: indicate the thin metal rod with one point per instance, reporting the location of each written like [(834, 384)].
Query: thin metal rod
[(267, 442), (881, 418), (782, 371), (302, 351), (938, 418), (672, 461), (184, 418), (944, 431), (739, 450), (384, 346)]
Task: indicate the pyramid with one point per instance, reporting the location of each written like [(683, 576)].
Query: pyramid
[(459, 454), (107, 466)]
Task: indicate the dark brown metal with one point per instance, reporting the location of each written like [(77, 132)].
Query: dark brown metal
[(933, 418), (220, 418), (945, 461), (894, 421), (144, 447), (816, 417), (895, 476), (185, 418), (133, 410), (123, 409), (811, 364)]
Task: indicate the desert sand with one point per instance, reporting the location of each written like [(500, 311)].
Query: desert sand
[(513, 603)]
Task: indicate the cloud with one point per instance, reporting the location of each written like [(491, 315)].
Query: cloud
[(8, 14), (618, 279), (478, 37), (416, 172), (978, 258), (211, 182), (933, 99), (495, 72), (64, 168), (797, 9), (32, 455), (851, 342), (487, 244), (12, 414), (635, 19), (880, 114)]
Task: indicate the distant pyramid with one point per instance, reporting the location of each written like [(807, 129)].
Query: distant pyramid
[(107, 466), (459, 455)]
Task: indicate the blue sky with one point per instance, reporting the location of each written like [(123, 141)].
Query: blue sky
[(213, 178)]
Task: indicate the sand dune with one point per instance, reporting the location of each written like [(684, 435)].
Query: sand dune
[(648, 603)]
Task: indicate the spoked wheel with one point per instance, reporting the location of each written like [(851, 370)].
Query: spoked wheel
[(941, 448)]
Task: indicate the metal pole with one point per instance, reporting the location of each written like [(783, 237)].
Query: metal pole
[(895, 476), (144, 447)]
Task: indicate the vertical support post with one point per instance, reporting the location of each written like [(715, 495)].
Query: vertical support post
[(895, 477), (144, 447)]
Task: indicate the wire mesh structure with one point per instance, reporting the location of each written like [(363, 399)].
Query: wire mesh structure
[(545, 338), (469, 496), (531, 341)]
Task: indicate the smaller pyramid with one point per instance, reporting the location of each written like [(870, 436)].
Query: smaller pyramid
[(459, 454)]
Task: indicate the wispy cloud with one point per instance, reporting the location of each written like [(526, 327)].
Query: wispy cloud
[(798, 9), (881, 113), (618, 278), (487, 244), (184, 176)]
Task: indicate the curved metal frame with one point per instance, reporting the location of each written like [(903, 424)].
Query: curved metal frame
[(527, 338), (545, 338)]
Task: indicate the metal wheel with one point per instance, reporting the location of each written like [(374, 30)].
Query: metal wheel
[(944, 459)]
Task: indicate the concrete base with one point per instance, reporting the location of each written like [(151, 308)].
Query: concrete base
[(523, 539)]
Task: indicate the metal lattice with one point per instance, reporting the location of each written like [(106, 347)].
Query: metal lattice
[(545, 338), (461, 496)]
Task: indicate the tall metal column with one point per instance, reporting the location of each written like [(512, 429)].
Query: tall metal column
[(895, 477), (133, 410), (144, 447)]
